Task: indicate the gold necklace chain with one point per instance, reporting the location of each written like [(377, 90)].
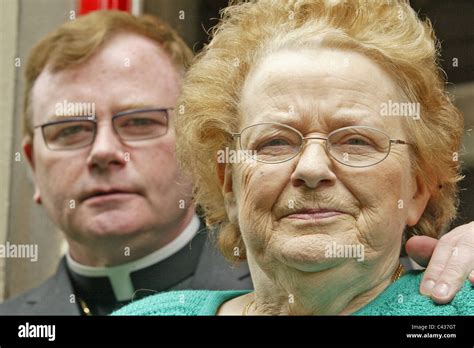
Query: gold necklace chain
[(396, 275)]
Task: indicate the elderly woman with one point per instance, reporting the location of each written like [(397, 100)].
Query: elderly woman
[(319, 137)]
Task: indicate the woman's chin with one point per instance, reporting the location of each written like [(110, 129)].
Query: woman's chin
[(311, 267), (307, 253)]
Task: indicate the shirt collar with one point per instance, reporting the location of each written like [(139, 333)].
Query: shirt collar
[(120, 275)]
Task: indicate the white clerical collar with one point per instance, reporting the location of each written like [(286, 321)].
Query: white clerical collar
[(119, 276)]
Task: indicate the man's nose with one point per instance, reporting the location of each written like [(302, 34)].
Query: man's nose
[(314, 166), (107, 149)]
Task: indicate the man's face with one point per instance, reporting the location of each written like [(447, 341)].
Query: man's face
[(142, 179)]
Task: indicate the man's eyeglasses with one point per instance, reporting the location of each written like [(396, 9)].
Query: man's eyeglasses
[(355, 146), (131, 125)]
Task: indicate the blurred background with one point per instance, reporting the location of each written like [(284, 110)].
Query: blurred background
[(24, 22)]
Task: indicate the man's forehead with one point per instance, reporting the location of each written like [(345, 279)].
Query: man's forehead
[(129, 66), (125, 47), (125, 53)]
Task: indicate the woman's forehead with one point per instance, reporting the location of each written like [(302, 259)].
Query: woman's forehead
[(317, 82), (303, 71)]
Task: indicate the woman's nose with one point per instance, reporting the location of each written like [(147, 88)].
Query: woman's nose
[(314, 166)]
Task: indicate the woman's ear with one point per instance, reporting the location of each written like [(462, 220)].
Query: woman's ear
[(224, 173), (417, 204)]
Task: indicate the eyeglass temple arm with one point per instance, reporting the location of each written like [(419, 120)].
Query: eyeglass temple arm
[(398, 141)]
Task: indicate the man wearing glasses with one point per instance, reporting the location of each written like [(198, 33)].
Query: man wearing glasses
[(99, 110)]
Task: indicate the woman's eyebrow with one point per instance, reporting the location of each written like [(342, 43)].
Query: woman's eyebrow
[(347, 121), (306, 120), (355, 119)]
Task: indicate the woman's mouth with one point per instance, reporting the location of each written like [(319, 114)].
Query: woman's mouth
[(314, 214)]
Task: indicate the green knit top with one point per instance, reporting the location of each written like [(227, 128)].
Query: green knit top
[(400, 298)]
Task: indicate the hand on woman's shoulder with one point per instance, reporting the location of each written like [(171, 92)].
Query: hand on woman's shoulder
[(403, 298)]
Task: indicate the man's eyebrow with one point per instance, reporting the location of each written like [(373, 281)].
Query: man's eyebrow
[(62, 117), (56, 117), (121, 108), (133, 106)]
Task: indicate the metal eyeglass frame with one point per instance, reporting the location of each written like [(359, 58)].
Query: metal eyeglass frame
[(94, 121), (303, 140)]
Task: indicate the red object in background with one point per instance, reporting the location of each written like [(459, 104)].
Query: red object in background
[(86, 6)]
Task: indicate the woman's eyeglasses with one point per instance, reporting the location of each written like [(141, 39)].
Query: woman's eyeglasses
[(355, 146)]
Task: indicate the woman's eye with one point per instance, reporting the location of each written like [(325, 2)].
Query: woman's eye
[(274, 142), (357, 142)]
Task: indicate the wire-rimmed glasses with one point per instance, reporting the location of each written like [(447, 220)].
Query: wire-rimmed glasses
[(354, 146)]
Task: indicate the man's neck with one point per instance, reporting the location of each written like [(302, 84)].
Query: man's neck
[(126, 278), (115, 251)]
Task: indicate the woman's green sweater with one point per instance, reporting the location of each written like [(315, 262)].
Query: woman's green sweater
[(400, 298)]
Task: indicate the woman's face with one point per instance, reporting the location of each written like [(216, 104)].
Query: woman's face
[(296, 216)]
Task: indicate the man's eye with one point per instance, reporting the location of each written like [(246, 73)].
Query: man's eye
[(139, 122), (68, 131)]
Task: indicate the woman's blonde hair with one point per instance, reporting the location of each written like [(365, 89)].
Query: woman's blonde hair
[(77, 40), (388, 32)]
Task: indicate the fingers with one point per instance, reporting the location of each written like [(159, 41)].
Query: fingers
[(439, 260), (420, 249), (450, 265)]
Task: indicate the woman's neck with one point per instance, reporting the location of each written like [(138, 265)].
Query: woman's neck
[(315, 302), (327, 292)]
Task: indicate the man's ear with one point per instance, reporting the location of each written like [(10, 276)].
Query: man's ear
[(417, 204), (28, 151), (224, 173)]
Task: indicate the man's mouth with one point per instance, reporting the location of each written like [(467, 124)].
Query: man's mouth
[(102, 194)]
